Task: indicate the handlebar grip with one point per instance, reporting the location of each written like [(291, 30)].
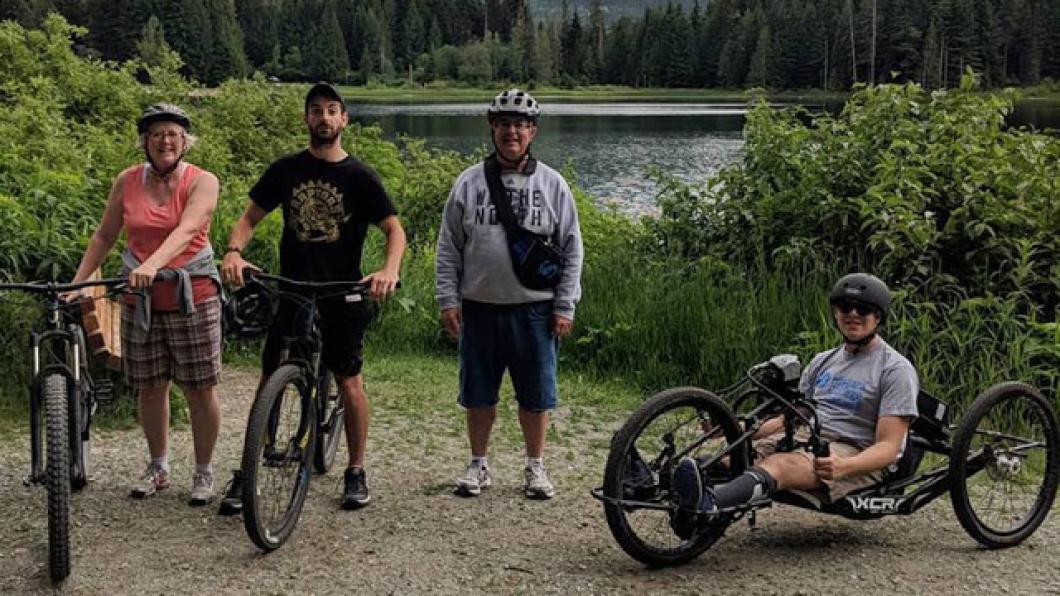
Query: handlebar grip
[(165, 275), (823, 449)]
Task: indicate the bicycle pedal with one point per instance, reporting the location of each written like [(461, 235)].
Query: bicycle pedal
[(103, 390)]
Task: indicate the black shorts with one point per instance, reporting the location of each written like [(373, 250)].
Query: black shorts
[(341, 325)]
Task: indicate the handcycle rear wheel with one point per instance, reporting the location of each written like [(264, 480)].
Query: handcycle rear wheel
[(279, 444), (1005, 464), (672, 424), (333, 413), (56, 419)]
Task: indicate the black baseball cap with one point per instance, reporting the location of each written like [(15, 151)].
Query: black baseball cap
[(324, 90)]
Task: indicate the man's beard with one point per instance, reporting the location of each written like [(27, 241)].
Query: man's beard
[(318, 139)]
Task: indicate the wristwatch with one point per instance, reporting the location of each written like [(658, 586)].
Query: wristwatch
[(233, 249)]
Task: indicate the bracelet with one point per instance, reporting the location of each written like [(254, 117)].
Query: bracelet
[(233, 249)]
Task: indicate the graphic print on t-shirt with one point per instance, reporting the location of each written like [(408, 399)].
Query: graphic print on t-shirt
[(841, 391), (317, 212)]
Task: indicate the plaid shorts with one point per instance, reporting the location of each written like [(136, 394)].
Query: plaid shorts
[(179, 347)]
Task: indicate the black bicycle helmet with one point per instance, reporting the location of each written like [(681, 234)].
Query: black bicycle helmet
[(162, 112), (863, 288), (249, 311)]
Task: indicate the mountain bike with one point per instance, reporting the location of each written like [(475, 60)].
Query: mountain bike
[(63, 397), (1000, 464), (297, 416)]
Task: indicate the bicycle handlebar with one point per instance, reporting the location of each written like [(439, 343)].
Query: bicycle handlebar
[(354, 286), (51, 287)]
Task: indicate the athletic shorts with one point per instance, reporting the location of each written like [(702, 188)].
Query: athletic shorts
[(836, 489), (513, 337), (185, 348), (341, 325)]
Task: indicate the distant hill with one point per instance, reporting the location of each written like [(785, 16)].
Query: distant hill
[(613, 8)]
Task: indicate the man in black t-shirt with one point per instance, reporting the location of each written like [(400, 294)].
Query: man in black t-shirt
[(328, 199)]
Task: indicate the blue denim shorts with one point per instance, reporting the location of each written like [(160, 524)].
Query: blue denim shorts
[(516, 337)]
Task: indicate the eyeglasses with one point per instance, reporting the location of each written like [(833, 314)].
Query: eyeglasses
[(169, 135), (846, 306), (517, 124)]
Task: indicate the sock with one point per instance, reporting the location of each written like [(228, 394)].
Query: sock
[(204, 469), (755, 483), (161, 463), (478, 462), (535, 462)]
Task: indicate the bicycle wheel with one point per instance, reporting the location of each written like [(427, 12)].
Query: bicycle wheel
[(56, 417), (333, 414), (670, 425), (1004, 466), (279, 444)]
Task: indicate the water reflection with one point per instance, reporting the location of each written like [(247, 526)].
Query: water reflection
[(613, 148)]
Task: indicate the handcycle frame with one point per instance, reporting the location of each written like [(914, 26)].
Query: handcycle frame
[(770, 389)]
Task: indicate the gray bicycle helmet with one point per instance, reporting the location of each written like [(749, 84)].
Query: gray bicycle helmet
[(515, 102), (162, 112), (864, 288)]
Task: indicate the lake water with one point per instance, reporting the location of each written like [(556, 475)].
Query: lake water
[(613, 147)]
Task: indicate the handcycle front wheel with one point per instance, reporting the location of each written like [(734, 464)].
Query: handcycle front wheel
[(333, 414), (56, 419), (1005, 464), (638, 502), (279, 444)]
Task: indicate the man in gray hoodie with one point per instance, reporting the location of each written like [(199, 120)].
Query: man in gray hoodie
[(501, 323)]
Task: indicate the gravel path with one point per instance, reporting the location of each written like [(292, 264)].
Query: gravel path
[(417, 537)]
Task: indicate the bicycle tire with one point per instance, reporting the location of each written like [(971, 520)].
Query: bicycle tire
[(664, 549), (329, 406), (1004, 462), (58, 476), (267, 534)]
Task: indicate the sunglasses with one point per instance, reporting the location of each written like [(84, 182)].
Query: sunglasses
[(846, 306)]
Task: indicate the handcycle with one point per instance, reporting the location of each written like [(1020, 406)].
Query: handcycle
[(63, 396), (298, 415), (1000, 464)]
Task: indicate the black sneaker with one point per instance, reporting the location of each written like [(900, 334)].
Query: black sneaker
[(355, 493), (232, 502)]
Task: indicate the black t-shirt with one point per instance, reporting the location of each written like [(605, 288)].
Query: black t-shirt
[(327, 207)]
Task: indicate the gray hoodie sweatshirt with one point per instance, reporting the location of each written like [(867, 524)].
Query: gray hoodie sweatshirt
[(473, 260)]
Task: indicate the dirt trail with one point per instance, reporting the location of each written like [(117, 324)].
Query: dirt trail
[(416, 537)]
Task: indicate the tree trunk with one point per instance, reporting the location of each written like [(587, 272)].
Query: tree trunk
[(853, 57)]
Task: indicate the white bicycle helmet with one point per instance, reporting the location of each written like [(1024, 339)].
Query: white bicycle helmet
[(514, 101)]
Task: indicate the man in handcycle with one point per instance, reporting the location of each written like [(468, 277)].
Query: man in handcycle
[(865, 394)]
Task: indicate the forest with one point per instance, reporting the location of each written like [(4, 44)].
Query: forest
[(775, 44)]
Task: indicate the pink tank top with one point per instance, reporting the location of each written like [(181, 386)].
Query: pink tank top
[(147, 225)]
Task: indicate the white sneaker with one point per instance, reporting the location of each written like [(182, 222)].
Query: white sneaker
[(153, 480), (537, 484), (201, 489), (475, 479)]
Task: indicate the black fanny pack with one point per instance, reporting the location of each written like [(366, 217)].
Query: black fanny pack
[(537, 260)]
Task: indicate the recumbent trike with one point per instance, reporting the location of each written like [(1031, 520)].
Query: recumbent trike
[(1000, 464)]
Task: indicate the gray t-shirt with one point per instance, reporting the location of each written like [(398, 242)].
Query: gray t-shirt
[(854, 390)]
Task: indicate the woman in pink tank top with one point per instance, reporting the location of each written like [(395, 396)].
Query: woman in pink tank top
[(164, 206)]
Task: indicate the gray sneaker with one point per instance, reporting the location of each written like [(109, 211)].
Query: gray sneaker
[(537, 484), (153, 480), (201, 489), (474, 479)]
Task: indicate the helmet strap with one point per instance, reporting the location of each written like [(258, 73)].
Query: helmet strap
[(859, 345), (159, 172)]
